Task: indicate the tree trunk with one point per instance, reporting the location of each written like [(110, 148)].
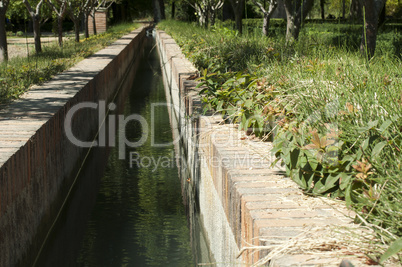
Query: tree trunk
[(371, 10), (343, 9), (296, 12), (202, 15), (3, 36), (322, 7), (239, 22), (292, 28), (206, 20), (157, 11), (86, 22), (238, 8), (77, 29), (162, 8), (267, 14), (213, 17), (265, 26), (60, 29), (381, 19), (173, 9), (36, 30), (94, 21), (355, 13)]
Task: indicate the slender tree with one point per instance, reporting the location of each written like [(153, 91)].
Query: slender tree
[(214, 6), (202, 10), (322, 9), (86, 11), (173, 8), (343, 9), (35, 15), (159, 10), (162, 6), (296, 12), (371, 11), (267, 13), (3, 34), (238, 9), (59, 7)]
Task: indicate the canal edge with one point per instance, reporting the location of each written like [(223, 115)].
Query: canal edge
[(249, 209)]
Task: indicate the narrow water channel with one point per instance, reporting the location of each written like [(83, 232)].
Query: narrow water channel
[(129, 212)]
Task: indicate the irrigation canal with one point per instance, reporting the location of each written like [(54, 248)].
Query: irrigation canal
[(130, 213)]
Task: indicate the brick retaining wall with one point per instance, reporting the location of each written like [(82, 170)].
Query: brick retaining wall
[(37, 161)]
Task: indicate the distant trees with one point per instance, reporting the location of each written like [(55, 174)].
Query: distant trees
[(59, 7), (206, 10), (296, 11), (78, 9), (40, 11)]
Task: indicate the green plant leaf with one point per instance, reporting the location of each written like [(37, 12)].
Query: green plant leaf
[(370, 125), (326, 184), (294, 158), (385, 125), (248, 103), (377, 149), (344, 180), (365, 143), (394, 248)]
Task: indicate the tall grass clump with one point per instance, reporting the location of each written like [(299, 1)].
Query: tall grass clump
[(335, 119), (18, 74)]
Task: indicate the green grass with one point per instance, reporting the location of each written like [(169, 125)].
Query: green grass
[(18, 74), (335, 119)]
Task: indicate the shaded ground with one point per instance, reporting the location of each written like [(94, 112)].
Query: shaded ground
[(20, 47)]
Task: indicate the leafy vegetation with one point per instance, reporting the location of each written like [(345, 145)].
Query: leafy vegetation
[(18, 74), (335, 118)]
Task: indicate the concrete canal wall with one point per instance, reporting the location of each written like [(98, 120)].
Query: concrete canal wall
[(248, 208), (38, 163)]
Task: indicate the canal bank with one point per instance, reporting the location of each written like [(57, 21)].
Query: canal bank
[(251, 212), (38, 162)]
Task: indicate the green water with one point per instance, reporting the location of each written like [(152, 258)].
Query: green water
[(139, 218)]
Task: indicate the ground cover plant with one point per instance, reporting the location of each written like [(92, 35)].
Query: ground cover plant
[(335, 118), (18, 74)]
